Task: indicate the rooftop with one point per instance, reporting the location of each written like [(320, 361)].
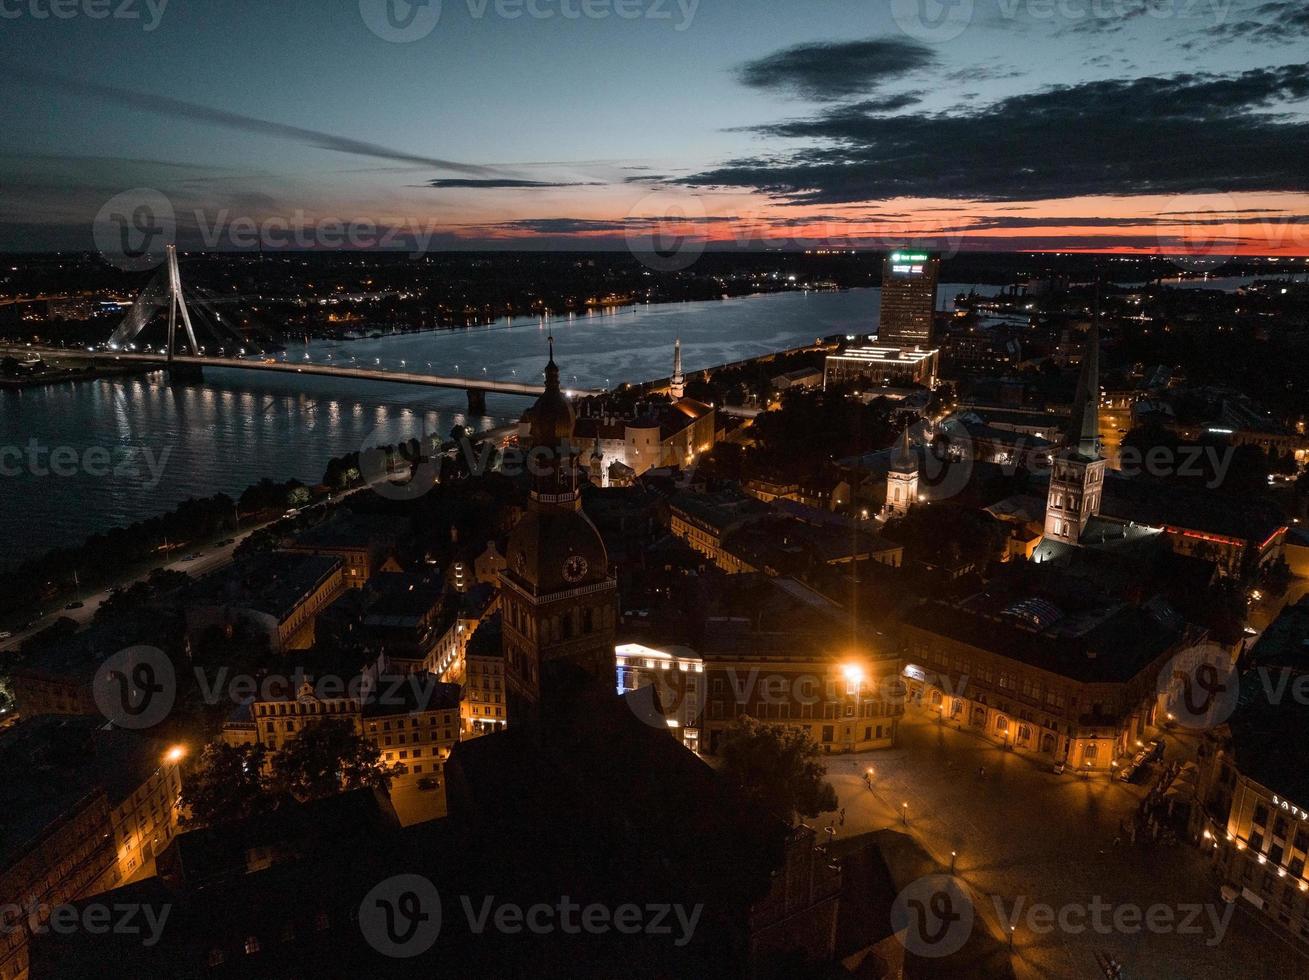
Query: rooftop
[(275, 583), (350, 531), (1285, 643), (1158, 503), (882, 355), (1268, 741), (1106, 644)]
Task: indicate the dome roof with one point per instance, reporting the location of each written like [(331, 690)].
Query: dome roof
[(552, 420), (554, 550), (553, 417)]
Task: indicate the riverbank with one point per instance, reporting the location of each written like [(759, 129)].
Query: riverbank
[(89, 373)]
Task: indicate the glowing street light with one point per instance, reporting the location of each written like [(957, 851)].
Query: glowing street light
[(175, 755)]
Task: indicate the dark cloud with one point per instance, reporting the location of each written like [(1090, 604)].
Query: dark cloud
[(829, 70), (1110, 19), (983, 73), (999, 222), (177, 109), (890, 103), (575, 226), (1177, 134), (492, 183), (1286, 21), (649, 178)]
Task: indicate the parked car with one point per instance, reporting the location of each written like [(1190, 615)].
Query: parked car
[(1058, 767), (428, 783), (75, 605), (5, 634)]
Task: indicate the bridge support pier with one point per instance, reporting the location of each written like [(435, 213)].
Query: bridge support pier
[(476, 401), (187, 373)]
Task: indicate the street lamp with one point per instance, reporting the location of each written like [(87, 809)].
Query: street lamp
[(953, 856), (904, 814), (175, 755)]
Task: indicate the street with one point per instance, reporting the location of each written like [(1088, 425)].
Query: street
[(210, 560), (1022, 833)]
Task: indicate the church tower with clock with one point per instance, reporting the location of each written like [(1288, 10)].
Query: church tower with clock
[(557, 597)]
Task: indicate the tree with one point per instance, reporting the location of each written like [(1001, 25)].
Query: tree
[(226, 784), (326, 758), (778, 769)]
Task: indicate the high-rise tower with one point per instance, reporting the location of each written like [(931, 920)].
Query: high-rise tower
[(1077, 476), (908, 299)]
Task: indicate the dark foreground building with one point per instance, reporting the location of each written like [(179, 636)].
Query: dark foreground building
[(586, 842)]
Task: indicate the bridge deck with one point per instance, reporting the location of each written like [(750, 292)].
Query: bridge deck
[(488, 385)]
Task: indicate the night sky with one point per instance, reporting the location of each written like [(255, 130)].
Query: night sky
[(1156, 125)]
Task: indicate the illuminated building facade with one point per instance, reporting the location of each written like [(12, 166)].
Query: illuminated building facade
[(909, 281), (844, 704), (86, 809), (1252, 817), (880, 365), (677, 674), (1079, 689)]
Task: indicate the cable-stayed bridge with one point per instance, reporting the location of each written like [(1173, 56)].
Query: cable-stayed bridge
[(167, 290)]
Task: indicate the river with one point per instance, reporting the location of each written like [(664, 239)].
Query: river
[(78, 458)]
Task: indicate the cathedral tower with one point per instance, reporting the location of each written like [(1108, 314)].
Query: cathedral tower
[(556, 591), (1077, 475)]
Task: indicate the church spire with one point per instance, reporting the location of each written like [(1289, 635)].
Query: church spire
[(1083, 433), (905, 461), (678, 387), (551, 368)]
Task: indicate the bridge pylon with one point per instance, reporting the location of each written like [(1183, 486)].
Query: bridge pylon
[(176, 304), (476, 401)]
